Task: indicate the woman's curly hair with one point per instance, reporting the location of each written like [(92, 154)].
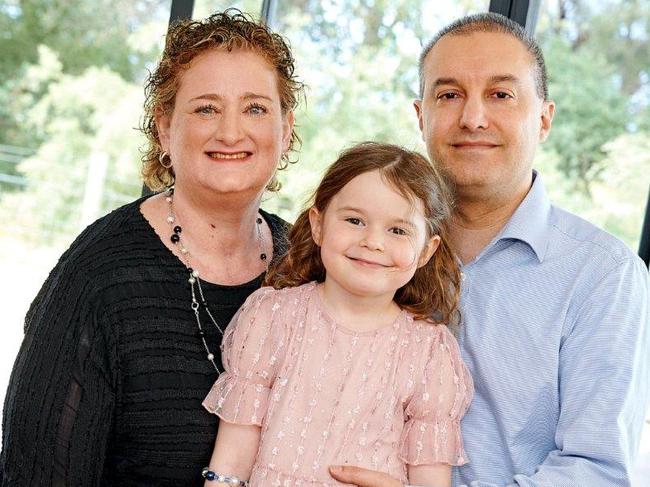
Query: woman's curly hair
[(185, 40), (433, 292)]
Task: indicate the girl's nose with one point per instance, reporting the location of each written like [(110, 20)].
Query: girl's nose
[(373, 240)]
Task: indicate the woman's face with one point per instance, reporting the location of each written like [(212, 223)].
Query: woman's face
[(227, 131)]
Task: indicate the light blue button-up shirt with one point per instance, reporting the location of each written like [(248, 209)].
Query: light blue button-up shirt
[(556, 334)]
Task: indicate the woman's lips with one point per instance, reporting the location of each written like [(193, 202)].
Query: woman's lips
[(228, 156)]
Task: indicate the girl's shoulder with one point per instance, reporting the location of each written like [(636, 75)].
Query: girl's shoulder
[(434, 333), (287, 296)]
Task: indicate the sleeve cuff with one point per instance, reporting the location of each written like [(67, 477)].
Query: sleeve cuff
[(425, 443), (237, 401)]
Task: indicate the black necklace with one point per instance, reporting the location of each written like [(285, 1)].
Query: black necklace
[(198, 298)]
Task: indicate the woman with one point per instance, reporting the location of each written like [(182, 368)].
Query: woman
[(122, 342)]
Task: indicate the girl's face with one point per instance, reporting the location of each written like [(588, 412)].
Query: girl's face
[(372, 238)]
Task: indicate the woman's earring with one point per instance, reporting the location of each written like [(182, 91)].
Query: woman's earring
[(161, 159)]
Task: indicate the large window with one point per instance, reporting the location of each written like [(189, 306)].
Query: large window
[(71, 76), (596, 162)]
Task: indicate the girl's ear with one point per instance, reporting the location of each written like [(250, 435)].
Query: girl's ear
[(316, 223), (428, 251)]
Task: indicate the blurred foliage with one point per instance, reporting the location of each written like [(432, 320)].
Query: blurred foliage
[(71, 90)]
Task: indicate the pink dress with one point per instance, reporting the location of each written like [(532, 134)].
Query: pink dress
[(326, 395)]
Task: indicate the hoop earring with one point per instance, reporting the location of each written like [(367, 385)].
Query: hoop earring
[(161, 159)]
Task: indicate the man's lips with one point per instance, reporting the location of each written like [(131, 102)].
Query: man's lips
[(474, 144), (228, 156)]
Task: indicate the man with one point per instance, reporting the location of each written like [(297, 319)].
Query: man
[(555, 311)]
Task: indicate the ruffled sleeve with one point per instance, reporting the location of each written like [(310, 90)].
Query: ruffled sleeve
[(432, 431), (251, 350)]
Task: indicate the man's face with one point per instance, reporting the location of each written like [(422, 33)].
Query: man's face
[(480, 115)]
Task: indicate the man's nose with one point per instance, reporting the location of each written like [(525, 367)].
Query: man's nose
[(474, 114)]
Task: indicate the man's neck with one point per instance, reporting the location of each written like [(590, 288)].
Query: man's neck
[(475, 224)]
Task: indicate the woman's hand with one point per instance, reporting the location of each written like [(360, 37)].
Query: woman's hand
[(362, 477)]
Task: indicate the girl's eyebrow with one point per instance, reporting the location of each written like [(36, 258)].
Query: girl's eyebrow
[(408, 223), (398, 221), (350, 208)]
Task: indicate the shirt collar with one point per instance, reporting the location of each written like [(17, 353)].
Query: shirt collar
[(529, 223)]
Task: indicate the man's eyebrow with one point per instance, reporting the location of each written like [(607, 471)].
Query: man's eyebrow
[(499, 78), (510, 78), (445, 81)]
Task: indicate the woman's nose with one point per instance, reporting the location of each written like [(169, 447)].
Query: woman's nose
[(230, 128)]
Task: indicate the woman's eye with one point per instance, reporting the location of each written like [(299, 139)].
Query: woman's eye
[(206, 109), (256, 109), (353, 221)]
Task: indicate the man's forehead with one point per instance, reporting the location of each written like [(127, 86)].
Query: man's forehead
[(487, 55), (478, 48)]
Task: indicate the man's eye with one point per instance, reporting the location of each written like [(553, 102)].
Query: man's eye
[(448, 96), (502, 95)]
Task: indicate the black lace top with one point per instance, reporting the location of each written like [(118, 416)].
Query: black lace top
[(108, 383)]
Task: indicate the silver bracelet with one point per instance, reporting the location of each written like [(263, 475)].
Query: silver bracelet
[(210, 476)]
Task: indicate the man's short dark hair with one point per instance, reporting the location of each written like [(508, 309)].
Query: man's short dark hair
[(492, 22)]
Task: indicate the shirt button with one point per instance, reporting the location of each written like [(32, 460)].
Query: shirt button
[(462, 276)]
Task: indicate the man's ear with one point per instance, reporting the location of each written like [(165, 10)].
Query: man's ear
[(316, 224), (548, 110), (417, 104), (428, 251)]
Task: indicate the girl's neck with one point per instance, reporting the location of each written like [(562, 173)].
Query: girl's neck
[(357, 313)]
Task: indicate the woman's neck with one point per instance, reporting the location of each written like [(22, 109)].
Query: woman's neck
[(221, 235), (226, 225)]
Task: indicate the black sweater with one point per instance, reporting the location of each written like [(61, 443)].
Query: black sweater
[(108, 383)]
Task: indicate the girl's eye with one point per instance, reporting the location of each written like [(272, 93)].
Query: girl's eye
[(353, 221), (256, 109), (398, 231)]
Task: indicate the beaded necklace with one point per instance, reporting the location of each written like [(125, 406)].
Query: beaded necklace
[(198, 298)]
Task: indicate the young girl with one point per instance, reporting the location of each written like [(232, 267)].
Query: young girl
[(347, 358)]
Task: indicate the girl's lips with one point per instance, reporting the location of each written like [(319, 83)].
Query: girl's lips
[(366, 263)]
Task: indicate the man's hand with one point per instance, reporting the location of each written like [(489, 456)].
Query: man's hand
[(362, 477)]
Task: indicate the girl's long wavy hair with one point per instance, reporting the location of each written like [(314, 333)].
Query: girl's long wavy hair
[(433, 292)]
